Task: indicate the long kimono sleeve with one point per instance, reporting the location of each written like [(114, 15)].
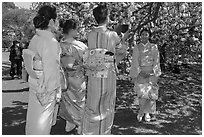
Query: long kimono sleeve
[(156, 65), (135, 68), (120, 49)]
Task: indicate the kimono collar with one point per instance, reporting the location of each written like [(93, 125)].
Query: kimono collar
[(102, 27), (45, 33), (145, 45), (69, 40), (72, 41)]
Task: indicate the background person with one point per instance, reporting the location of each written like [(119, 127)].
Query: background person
[(16, 59)]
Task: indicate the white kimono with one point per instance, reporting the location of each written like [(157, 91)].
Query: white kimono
[(40, 117)]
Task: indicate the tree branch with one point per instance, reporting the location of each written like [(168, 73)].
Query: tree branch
[(136, 11), (155, 16)]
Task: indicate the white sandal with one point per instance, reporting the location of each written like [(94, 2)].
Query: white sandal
[(139, 118), (147, 117)]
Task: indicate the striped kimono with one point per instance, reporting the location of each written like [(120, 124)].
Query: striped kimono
[(145, 64), (101, 92)]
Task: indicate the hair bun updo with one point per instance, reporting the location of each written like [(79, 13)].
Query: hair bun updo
[(67, 25), (44, 15), (100, 13), (62, 23), (40, 21)]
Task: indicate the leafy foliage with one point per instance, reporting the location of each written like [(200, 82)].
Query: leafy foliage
[(6, 6), (176, 26), (15, 23)]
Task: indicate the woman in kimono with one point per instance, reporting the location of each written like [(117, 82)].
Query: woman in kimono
[(44, 88), (145, 70), (101, 90), (73, 97)]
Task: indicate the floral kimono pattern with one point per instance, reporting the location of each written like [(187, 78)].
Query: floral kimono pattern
[(73, 98), (145, 64)]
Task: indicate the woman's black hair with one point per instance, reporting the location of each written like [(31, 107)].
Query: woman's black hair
[(146, 30), (100, 13), (44, 15), (67, 25)]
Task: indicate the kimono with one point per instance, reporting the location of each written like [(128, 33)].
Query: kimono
[(101, 91), (41, 109), (73, 97), (145, 65)]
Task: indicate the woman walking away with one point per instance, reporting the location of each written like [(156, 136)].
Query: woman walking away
[(104, 50), (44, 53), (145, 70), (73, 96)]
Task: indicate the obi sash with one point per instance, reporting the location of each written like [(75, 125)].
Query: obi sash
[(98, 62)]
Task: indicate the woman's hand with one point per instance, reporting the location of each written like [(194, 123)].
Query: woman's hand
[(153, 79)]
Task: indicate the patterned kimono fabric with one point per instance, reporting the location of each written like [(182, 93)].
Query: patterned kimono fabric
[(40, 118), (73, 98), (145, 63), (101, 92)]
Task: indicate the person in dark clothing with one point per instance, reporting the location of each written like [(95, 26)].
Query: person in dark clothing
[(16, 59)]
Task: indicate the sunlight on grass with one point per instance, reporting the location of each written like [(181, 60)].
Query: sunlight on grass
[(14, 123), (146, 131)]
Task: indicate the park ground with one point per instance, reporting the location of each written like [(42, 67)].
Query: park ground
[(179, 108)]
